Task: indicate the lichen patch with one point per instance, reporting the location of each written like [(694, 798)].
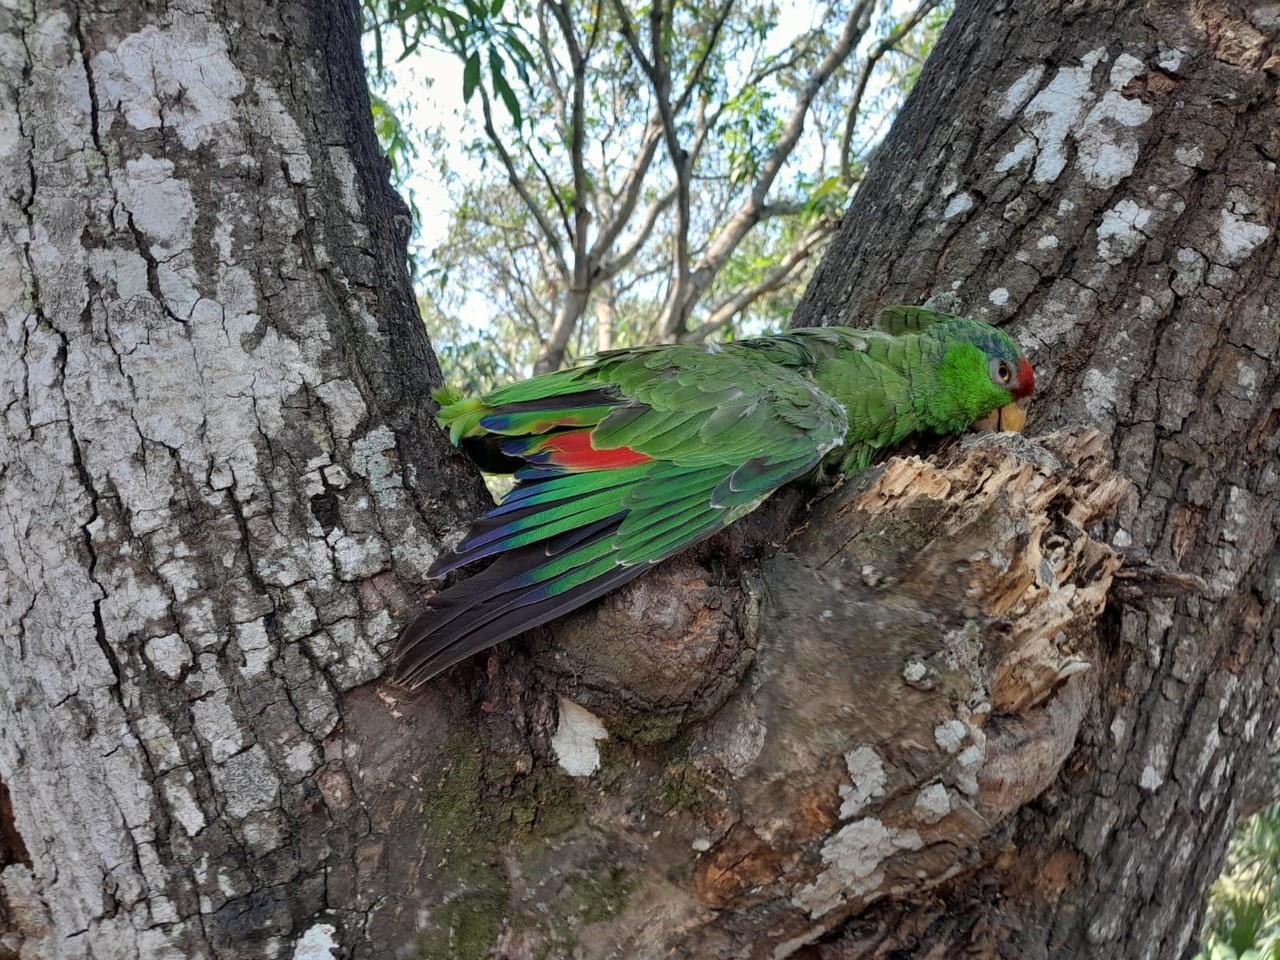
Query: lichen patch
[(1052, 113), (854, 856), (179, 78), (867, 781), (1122, 231), (317, 943), (575, 739)]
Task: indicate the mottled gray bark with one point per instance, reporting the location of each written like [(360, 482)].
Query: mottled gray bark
[(1102, 177), (218, 486)]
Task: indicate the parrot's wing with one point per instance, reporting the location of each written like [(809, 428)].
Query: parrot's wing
[(634, 459), (899, 319)]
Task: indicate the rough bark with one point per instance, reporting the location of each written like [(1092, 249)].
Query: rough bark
[(218, 483), (942, 711), (1102, 177)]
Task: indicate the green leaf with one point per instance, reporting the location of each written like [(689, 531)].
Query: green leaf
[(470, 76), (522, 52), (495, 8), (459, 22), (520, 56), (503, 88)]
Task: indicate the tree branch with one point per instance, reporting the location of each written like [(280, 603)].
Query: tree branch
[(660, 79), (723, 314), (748, 215), (878, 50), (555, 194), (611, 267), (572, 305), (518, 184), (783, 208), (577, 135), (630, 190), (717, 25), (553, 82)]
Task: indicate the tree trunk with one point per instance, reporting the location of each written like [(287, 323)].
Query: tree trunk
[(1103, 178), (937, 713), (606, 316), (568, 316), (219, 483)]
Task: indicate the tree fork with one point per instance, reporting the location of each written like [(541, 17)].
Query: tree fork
[(920, 723)]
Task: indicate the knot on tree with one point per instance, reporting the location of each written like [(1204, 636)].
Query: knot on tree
[(921, 648)]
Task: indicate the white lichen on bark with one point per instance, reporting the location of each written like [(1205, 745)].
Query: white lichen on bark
[(575, 739), (176, 312)]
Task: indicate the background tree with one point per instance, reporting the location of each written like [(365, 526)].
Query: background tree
[(674, 169), (1243, 920), (957, 711)]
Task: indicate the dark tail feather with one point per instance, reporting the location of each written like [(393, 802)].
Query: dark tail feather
[(488, 528), (487, 453), (520, 618), (491, 607)]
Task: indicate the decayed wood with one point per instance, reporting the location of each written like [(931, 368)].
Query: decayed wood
[(875, 744), (1102, 178)]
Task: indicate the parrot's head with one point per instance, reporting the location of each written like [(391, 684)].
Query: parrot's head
[(984, 378)]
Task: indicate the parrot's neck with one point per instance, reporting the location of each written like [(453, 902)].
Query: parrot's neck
[(881, 411)]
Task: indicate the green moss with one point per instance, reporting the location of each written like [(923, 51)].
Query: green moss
[(596, 897), (616, 760), (467, 926), (503, 769), (460, 825), (684, 787), (472, 818), (542, 806), (646, 730), (457, 819)]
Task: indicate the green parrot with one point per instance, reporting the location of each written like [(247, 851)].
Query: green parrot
[(640, 453)]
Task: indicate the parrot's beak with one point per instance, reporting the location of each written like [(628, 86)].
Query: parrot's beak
[(1012, 417)]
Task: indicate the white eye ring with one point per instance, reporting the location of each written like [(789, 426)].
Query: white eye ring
[(1002, 373)]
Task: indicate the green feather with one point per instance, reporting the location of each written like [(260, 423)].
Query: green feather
[(723, 426), (898, 319)]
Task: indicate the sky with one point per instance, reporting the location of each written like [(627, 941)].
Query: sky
[(426, 92)]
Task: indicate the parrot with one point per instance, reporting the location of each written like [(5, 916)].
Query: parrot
[(639, 453)]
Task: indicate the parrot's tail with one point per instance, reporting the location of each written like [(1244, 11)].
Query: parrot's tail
[(459, 415)]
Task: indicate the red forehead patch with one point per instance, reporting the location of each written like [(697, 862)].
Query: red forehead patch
[(1026, 379)]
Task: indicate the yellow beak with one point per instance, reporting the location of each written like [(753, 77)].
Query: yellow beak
[(1012, 417)]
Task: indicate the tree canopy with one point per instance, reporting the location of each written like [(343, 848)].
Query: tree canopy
[(657, 173)]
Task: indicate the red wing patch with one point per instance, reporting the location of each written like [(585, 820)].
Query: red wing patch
[(572, 450)]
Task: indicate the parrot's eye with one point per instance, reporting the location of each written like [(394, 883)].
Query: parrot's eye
[(1002, 373)]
